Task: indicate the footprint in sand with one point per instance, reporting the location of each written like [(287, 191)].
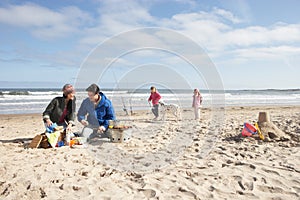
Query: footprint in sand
[(6, 191), (187, 193), (297, 189), (42, 193), (138, 157), (76, 188), (270, 189), (244, 186), (271, 171), (149, 193), (250, 186), (241, 185), (263, 180)]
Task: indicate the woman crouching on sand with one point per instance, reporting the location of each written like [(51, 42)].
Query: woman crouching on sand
[(61, 110)]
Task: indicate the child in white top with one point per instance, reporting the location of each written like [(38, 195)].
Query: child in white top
[(197, 101)]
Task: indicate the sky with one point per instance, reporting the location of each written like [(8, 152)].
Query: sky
[(252, 44)]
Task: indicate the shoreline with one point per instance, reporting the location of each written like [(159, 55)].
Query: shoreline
[(241, 107)]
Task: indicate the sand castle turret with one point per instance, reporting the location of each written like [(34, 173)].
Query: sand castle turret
[(269, 129)]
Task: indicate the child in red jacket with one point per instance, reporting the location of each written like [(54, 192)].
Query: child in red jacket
[(154, 97)]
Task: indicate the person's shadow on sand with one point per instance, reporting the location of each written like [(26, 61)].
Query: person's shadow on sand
[(96, 139), (21, 141), (237, 138), (17, 140)]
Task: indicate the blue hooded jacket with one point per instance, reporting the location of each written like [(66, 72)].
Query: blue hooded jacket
[(98, 116)]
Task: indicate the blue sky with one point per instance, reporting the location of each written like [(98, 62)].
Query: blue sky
[(253, 46)]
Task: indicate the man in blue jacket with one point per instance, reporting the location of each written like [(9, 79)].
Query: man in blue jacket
[(95, 111)]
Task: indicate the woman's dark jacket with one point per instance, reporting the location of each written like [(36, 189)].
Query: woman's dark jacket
[(55, 110)]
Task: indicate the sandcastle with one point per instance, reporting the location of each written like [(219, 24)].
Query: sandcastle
[(269, 129)]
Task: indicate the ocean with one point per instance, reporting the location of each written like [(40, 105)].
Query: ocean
[(22, 101)]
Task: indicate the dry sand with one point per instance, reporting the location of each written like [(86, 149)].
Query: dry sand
[(163, 160)]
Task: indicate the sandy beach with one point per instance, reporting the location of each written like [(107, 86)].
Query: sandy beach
[(233, 168)]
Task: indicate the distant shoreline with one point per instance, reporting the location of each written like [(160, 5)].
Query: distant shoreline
[(247, 107), (20, 101), (132, 89)]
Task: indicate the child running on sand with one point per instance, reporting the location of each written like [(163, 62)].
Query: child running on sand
[(197, 101), (154, 97)]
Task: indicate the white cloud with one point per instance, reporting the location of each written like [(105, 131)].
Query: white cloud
[(215, 30), (129, 12), (114, 17), (211, 30), (240, 8), (43, 22), (276, 52), (226, 15), (286, 55), (23, 16), (257, 35)]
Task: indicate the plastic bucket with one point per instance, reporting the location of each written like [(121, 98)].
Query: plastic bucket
[(249, 130)]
